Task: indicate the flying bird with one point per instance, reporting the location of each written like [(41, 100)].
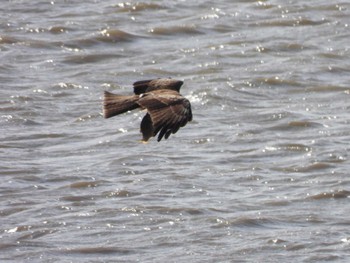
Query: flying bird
[(167, 109)]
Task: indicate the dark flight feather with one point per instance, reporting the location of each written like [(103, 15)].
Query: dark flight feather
[(144, 86), (117, 104), (167, 109)]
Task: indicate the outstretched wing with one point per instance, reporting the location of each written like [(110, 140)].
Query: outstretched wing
[(169, 111), (144, 86), (141, 86)]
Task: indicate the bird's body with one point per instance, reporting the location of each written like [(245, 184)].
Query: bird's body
[(167, 109)]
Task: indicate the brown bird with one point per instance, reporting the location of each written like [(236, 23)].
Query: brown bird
[(167, 109)]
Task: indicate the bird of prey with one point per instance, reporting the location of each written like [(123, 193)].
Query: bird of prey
[(167, 109)]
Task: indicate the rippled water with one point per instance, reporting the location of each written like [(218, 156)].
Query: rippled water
[(260, 175)]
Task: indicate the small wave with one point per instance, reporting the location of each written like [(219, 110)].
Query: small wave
[(66, 85), (302, 21), (136, 7), (310, 168), (98, 250), (89, 58), (244, 222), (114, 35), (37, 234), (15, 119), (84, 184), (58, 29), (11, 211), (282, 47), (108, 36), (277, 81), (292, 125), (333, 157), (276, 241), (327, 88), (120, 193), (32, 38), (305, 124), (79, 198), (250, 222), (293, 147), (332, 55), (8, 40), (177, 210), (308, 22), (176, 30), (18, 229), (88, 117), (330, 195)]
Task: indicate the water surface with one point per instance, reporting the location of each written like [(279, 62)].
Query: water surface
[(260, 175)]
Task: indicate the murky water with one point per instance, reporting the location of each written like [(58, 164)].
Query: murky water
[(260, 175)]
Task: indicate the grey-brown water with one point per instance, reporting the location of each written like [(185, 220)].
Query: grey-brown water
[(260, 175)]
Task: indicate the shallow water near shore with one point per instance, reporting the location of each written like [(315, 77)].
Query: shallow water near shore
[(261, 174)]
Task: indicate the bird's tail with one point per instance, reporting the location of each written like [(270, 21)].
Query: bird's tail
[(118, 104)]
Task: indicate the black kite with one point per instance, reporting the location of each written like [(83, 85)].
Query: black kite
[(167, 109)]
